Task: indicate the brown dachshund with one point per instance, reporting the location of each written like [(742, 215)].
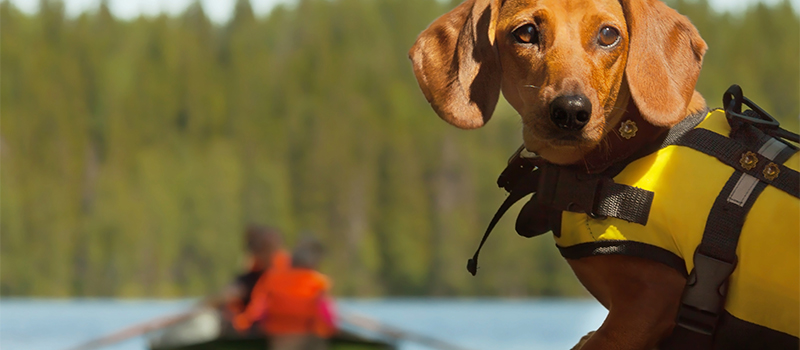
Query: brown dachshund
[(571, 69)]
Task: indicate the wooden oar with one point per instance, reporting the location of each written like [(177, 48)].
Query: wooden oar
[(393, 332), (357, 320), (140, 329)]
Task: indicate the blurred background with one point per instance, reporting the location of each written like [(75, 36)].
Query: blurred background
[(136, 145)]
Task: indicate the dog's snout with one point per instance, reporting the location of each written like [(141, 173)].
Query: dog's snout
[(571, 112)]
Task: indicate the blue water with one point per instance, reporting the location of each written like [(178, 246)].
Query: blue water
[(479, 324)]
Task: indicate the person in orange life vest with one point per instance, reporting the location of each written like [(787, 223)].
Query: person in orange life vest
[(266, 252), (293, 305)]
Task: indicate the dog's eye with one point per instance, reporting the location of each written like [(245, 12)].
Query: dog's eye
[(608, 37), (526, 34)]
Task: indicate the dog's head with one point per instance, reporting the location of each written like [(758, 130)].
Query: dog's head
[(569, 67)]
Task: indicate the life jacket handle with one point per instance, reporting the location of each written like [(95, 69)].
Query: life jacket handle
[(732, 101)]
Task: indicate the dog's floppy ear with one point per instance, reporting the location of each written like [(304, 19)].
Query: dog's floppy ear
[(457, 65), (665, 54)]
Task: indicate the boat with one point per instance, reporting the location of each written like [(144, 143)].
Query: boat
[(206, 330)]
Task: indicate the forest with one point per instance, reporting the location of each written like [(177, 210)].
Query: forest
[(134, 152)]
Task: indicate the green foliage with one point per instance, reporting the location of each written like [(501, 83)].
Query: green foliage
[(135, 152)]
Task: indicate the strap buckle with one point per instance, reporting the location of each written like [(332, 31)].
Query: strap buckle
[(518, 166), (704, 294)]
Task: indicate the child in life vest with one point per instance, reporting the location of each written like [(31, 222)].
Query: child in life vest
[(265, 252), (293, 305)]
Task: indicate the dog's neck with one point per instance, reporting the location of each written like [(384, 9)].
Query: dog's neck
[(615, 148)]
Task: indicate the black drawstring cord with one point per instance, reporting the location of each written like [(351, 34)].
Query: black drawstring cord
[(525, 186)]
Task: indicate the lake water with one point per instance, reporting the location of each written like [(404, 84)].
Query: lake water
[(479, 324)]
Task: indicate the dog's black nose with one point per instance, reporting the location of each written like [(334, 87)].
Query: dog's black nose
[(571, 112)]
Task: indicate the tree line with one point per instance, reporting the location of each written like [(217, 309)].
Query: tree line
[(134, 153)]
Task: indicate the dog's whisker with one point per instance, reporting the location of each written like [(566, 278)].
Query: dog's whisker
[(532, 86), (607, 146), (609, 129), (584, 154)]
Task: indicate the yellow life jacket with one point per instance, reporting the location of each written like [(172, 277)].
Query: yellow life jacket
[(719, 201), (764, 289)]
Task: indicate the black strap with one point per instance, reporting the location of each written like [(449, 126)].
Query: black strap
[(625, 247), (564, 189), (715, 258), (732, 152), (625, 202)]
